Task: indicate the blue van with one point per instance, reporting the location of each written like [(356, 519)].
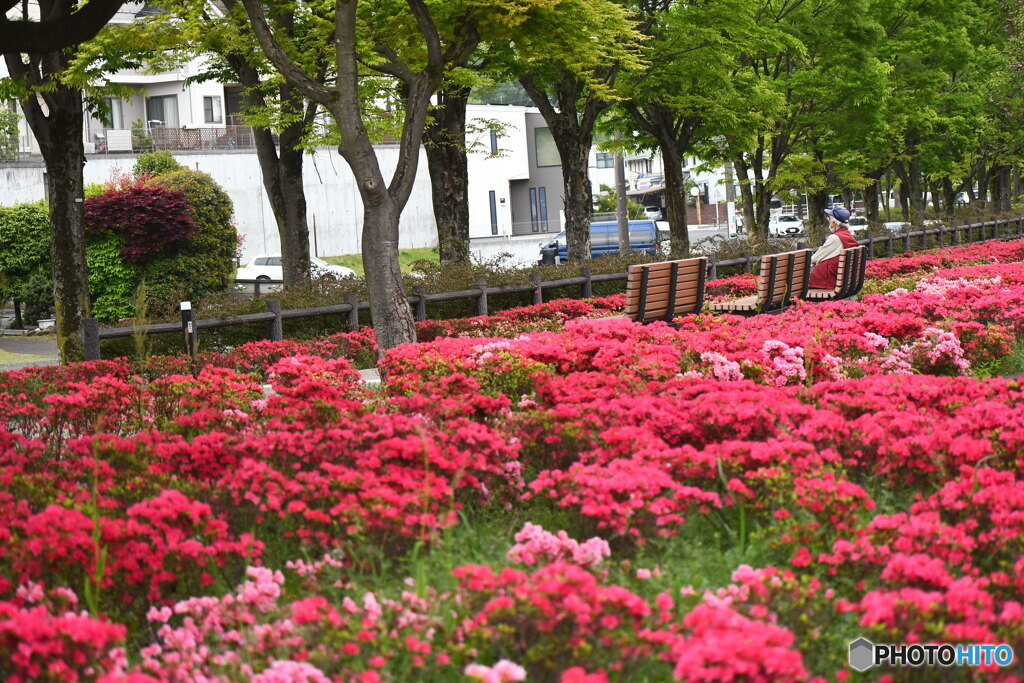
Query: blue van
[(604, 239)]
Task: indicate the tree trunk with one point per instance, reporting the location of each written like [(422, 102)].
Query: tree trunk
[(282, 179), (1003, 181), (762, 206), (871, 202), (762, 194), (888, 195), (282, 172), (19, 324), (58, 131), (948, 196), (746, 195), (675, 201), (579, 201), (572, 129), (393, 323), (817, 202), (983, 179), (447, 163), (910, 185)]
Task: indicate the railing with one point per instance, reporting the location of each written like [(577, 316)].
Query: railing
[(273, 317), (229, 137)]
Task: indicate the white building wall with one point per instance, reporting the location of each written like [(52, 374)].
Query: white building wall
[(332, 198), (489, 172)]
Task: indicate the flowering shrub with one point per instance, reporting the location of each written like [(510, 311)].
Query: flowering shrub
[(42, 637), (186, 506)]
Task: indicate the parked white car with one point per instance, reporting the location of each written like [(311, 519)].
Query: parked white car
[(652, 212), (268, 267), (896, 227), (858, 225), (785, 225)]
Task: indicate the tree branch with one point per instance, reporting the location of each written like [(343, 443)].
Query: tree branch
[(307, 85), (435, 58), (394, 66), (56, 33)]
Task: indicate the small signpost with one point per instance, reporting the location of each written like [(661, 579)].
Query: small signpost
[(188, 328)]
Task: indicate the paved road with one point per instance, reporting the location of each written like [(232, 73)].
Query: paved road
[(29, 346)]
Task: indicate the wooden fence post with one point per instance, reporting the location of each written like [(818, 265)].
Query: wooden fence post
[(275, 330), (91, 328), (538, 292), (587, 288), (352, 317), (888, 245), (713, 270), (956, 234), (420, 310), (870, 251), (748, 263), (481, 299)]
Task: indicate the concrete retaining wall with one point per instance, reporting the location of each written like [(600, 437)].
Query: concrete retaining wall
[(334, 207)]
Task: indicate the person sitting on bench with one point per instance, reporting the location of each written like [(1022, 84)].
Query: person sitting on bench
[(826, 259)]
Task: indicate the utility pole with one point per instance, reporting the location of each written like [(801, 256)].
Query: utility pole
[(730, 201), (620, 198)]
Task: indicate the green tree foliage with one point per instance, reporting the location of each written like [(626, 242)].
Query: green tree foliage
[(205, 262), (25, 252), (151, 164), (24, 244), (112, 280), (604, 202), (8, 134)]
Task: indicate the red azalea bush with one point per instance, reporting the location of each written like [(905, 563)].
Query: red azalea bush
[(841, 445)]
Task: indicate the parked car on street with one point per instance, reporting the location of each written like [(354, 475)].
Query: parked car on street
[(604, 239), (858, 225), (785, 225), (268, 267), (896, 227), (652, 212)]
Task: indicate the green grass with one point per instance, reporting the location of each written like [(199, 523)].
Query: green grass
[(8, 357), (1011, 364), (405, 259)]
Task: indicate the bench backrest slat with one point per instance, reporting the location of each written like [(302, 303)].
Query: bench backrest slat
[(662, 291), (781, 277)]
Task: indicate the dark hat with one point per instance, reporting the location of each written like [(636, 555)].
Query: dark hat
[(840, 213)]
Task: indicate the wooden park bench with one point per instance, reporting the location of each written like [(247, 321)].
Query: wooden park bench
[(666, 290), (781, 278), (849, 278)]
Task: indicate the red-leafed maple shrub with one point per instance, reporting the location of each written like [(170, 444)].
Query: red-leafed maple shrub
[(148, 219)]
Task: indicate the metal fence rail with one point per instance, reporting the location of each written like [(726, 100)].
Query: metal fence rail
[(945, 236)]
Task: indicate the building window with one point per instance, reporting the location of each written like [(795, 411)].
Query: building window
[(544, 144), (115, 107), (494, 145), (494, 211), (605, 160), (162, 111), (534, 215), (542, 201), (212, 109)]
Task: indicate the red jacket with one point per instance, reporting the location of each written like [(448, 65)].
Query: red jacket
[(824, 274)]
